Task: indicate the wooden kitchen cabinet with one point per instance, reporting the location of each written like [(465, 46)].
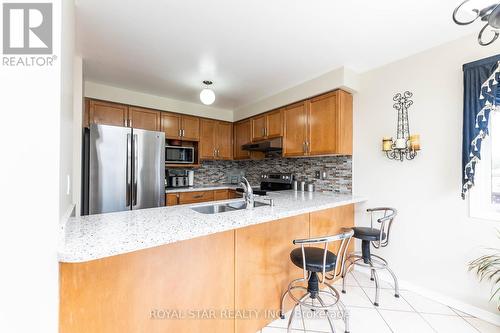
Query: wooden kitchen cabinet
[(295, 131), (131, 293), (190, 127), (319, 126), (172, 199), (262, 252), (330, 124), (108, 113), (171, 125), (195, 197), (224, 140), (331, 222), (207, 139), (242, 136), (221, 195), (233, 194), (145, 119), (179, 127), (267, 126), (258, 128), (216, 140)]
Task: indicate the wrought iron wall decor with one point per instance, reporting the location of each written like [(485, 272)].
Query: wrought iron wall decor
[(489, 14), (406, 145)]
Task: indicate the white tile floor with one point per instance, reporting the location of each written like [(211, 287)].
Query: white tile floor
[(407, 314)]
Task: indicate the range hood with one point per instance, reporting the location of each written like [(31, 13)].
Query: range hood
[(274, 146)]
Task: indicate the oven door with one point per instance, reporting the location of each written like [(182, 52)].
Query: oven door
[(174, 155)]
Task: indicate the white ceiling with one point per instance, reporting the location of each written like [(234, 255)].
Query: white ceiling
[(251, 49)]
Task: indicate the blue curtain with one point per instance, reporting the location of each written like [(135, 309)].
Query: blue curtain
[(481, 95)]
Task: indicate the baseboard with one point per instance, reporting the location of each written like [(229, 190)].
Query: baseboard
[(438, 297)]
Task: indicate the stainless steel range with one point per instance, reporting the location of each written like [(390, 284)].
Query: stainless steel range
[(276, 181), (270, 182)]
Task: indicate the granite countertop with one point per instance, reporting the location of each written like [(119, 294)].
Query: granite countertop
[(99, 236)]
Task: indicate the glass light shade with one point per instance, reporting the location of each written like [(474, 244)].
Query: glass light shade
[(207, 96)]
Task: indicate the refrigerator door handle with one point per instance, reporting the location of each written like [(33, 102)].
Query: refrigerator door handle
[(128, 170), (136, 166)]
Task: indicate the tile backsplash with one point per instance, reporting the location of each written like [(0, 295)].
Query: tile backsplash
[(338, 171)]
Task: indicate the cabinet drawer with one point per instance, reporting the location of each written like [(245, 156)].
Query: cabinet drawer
[(172, 199), (195, 197), (221, 195), (233, 194)]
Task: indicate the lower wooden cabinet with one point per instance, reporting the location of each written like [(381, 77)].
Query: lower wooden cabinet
[(172, 199), (221, 195), (263, 267), (195, 197), (133, 292), (181, 198)]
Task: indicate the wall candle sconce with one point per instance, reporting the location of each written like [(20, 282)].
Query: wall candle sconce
[(405, 145)]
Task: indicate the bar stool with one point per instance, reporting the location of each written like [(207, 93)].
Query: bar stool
[(314, 260), (378, 238)]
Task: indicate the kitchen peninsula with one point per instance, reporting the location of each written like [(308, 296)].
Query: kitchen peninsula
[(119, 268)]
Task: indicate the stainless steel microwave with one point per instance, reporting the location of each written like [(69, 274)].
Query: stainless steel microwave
[(178, 154)]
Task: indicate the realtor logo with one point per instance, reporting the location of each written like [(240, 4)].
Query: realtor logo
[(27, 28)]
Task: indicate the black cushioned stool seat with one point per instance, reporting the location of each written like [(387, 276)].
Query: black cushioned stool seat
[(314, 259), (367, 235)]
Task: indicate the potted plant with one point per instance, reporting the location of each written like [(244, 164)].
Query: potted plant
[(487, 267)]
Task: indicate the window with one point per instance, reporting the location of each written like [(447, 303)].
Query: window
[(484, 199)]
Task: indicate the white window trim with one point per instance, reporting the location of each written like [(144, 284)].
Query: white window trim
[(480, 205)]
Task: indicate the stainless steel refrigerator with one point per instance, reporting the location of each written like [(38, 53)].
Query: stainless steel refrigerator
[(124, 169)]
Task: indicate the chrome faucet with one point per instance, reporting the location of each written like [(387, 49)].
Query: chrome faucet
[(248, 193)]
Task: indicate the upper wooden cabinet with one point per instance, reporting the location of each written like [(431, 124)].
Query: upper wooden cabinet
[(330, 124), (190, 127), (224, 140), (266, 126), (216, 140), (241, 137), (107, 113), (171, 125), (180, 127), (319, 126), (207, 139), (145, 119), (295, 136)]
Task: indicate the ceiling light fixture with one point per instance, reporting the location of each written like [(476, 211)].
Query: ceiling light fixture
[(207, 95), (489, 14)]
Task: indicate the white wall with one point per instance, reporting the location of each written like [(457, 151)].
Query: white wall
[(78, 106), (433, 238), (343, 78), (66, 126), (120, 95), (29, 197)]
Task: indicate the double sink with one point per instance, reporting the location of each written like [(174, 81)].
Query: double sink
[(226, 207)]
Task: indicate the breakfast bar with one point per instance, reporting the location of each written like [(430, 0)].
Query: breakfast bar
[(166, 269)]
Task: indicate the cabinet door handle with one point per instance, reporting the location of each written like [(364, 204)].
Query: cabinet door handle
[(265, 131), (304, 147), (180, 133), (198, 196), (183, 133)]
